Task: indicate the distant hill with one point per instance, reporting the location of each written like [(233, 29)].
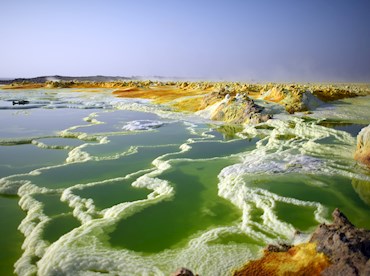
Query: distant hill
[(97, 78), (44, 79)]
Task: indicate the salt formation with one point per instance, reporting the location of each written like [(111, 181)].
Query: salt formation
[(362, 154), (142, 125), (238, 109)]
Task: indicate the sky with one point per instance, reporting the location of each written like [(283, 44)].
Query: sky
[(239, 40)]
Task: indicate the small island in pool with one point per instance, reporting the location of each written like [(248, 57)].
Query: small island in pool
[(147, 176)]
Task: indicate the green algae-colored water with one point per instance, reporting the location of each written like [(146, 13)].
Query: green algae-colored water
[(90, 183), (11, 239), (195, 207)]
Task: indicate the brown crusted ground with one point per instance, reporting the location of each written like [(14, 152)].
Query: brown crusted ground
[(302, 259)]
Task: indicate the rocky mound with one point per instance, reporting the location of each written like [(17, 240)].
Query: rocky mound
[(293, 98), (237, 109), (336, 249), (347, 247), (362, 153)]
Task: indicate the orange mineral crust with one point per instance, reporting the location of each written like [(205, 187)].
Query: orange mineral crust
[(302, 259)]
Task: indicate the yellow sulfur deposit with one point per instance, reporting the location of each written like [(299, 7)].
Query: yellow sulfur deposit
[(302, 259)]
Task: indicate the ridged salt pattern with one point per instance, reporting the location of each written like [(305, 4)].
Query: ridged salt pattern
[(262, 185)]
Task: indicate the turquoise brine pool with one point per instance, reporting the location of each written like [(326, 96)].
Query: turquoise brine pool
[(94, 184)]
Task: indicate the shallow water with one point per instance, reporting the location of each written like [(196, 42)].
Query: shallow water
[(99, 184)]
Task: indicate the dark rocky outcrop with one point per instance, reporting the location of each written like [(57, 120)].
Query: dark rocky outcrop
[(347, 247), (183, 272), (281, 247), (334, 249)]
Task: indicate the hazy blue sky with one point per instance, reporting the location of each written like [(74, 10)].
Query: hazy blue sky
[(239, 40)]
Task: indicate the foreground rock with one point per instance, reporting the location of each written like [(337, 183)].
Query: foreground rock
[(183, 272), (347, 247), (336, 249), (362, 154)]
